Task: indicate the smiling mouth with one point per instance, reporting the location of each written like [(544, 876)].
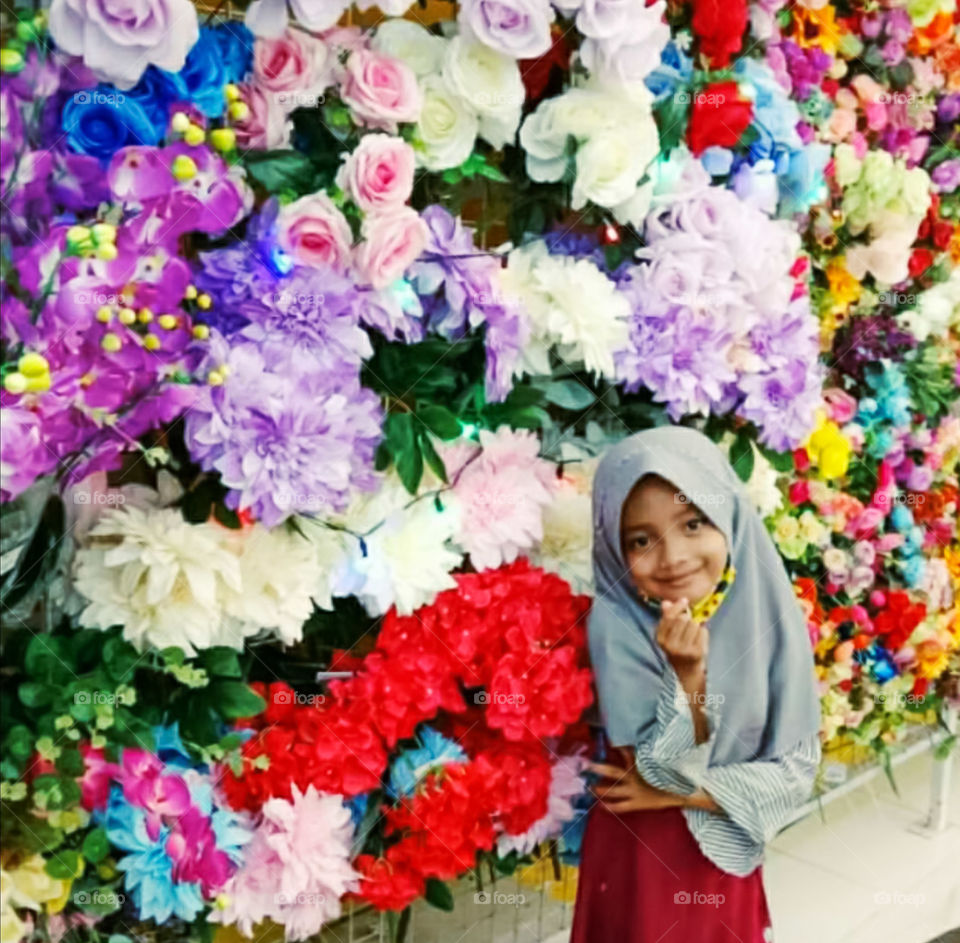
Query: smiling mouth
[(678, 579)]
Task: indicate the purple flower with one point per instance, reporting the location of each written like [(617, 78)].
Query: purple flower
[(119, 40), (310, 317), (459, 284), (23, 455), (517, 28), (946, 176), (284, 441)]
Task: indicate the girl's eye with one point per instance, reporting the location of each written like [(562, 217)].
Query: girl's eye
[(694, 523), (639, 542)]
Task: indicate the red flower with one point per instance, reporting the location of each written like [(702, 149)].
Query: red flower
[(519, 784), (942, 234), (920, 261), (719, 26), (718, 117), (388, 883), (920, 686), (536, 73), (898, 619)]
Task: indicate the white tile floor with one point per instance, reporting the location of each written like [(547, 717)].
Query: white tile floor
[(863, 873)]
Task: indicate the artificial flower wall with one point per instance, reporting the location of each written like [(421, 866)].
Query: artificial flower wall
[(312, 334)]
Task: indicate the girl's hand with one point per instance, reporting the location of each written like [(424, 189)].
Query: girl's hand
[(624, 790), (683, 640)]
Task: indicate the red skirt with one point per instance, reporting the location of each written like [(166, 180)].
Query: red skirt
[(644, 879)]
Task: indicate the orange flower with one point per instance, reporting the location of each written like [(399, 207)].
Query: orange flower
[(934, 34), (947, 58)]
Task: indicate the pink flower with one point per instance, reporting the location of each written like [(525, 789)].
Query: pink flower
[(865, 523), (295, 66), (841, 406), (379, 173), (380, 90), (315, 232), (394, 239), (266, 126), (97, 777)]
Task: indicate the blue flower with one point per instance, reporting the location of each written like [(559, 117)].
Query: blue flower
[(204, 74), (675, 70), (358, 807), (169, 747), (148, 869), (901, 517), (914, 568), (236, 49), (99, 121), (411, 766), (155, 93)]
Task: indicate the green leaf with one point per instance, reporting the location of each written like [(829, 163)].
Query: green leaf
[(431, 457), (19, 741), (672, 116), (234, 699), (33, 694), (507, 865), (65, 865), (280, 170), (943, 748), (173, 655), (440, 421), (222, 661), (569, 394), (781, 461), (120, 658), (406, 452), (439, 895), (96, 847), (70, 762), (741, 455)]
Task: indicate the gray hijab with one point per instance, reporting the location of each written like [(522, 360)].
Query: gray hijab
[(760, 668)]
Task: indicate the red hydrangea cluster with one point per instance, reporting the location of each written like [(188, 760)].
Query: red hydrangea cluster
[(455, 813), (515, 631)]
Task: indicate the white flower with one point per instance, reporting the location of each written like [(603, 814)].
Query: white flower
[(278, 570), (622, 49), (447, 128), (566, 783), (617, 141), (570, 303), (164, 580), (567, 544), (938, 309), (610, 165), (268, 18), (410, 43), (491, 83), (762, 486), (406, 560)]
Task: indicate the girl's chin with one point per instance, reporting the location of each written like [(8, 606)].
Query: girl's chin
[(693, 591)]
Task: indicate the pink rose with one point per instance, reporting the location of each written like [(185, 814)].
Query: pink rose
[(380, 90), (266, 126), (379, 173), (296, 67), (315, 232), (394, 239), (841, 406)]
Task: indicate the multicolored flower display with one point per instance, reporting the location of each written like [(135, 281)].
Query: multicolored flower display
[(314, 326)]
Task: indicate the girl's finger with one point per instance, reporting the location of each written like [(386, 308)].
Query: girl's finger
[(607, 770), (689, 631), (623, 790)]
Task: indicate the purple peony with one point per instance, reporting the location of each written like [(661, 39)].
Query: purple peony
[(118, 39), (285, 441)]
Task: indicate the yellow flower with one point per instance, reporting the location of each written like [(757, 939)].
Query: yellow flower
[(828, 448), (817, 28), (932, 659), (33, 887), (844, 288), (811, 528)]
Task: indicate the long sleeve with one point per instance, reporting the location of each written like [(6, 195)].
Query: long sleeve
[(755, 796)]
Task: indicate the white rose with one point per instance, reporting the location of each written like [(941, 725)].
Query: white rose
[(608, 170), (447, 129), (490, 82), (410, 43)]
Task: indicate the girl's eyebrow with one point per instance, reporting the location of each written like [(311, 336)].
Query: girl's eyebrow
[(643, 525)]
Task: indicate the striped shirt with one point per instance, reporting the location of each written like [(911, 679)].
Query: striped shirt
[(756, 796)]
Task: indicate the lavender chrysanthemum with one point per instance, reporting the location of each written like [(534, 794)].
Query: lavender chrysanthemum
[(284, 440)]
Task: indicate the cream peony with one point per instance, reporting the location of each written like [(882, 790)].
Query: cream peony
[(406, 556), (571, 305)]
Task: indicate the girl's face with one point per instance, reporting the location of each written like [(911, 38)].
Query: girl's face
[(671, 548)]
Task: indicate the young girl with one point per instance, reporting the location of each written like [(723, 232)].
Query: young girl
[(720, 740)]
